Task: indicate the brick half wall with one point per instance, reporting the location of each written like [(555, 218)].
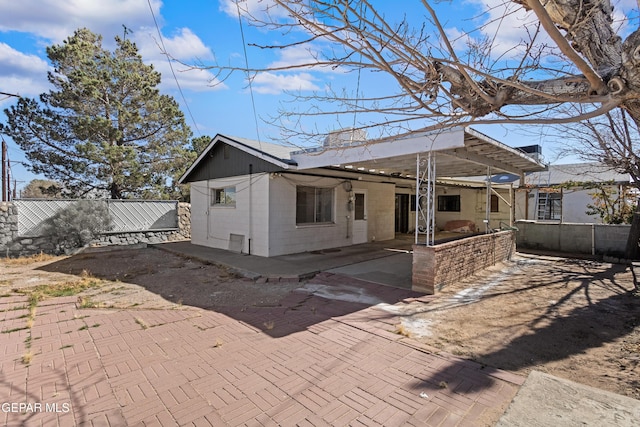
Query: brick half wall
[(436, 266)]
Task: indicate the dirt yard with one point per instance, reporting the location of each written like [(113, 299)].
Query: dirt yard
[(145, 277), (575, 319)]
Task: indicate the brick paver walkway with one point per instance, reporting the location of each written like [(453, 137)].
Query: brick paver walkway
[(310, 362)]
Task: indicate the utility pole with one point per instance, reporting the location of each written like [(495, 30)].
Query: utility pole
[(6, 185), (5, 172)]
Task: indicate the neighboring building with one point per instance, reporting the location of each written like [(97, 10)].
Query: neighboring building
[(268, 200), (562, 193)]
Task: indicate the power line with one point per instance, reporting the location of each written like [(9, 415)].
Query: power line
[(246, 62), (164, 50), (6, 95), (355, 107)]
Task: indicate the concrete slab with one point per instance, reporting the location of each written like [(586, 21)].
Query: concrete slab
[(302, 265), (393, 270), (545, 400)]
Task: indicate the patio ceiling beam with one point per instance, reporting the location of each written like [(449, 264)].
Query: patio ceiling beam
[(464, 154)]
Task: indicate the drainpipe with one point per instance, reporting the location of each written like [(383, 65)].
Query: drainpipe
[(593, 239), (208, 212), (250, 209)]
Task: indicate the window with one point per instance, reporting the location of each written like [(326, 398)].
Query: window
[(494, 203), (314, 205), (550, 206), (223, 196), (449, 203), (359, 208)]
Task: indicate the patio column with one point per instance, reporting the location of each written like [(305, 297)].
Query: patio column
[(488, 207), (425, 199)]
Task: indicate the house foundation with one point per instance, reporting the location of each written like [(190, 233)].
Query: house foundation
[(436, 266)]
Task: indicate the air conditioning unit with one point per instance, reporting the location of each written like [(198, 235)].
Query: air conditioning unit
[(345, 138)]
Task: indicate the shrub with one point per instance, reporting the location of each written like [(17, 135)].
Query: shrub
[(78, 224)]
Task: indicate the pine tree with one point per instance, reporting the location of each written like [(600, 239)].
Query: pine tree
[(105, 126)]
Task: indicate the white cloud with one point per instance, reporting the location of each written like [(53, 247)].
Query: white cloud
[(17, 62), (184, 45), (621, 23), (252, 9), (271, 83), (197, 80), (55, 20), (506, 24), (295, 55), (22, 74)]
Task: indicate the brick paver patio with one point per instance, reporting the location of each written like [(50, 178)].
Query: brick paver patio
[(310, 362)]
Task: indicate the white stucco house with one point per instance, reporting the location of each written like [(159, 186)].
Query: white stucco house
[(268, 200), (562, 193)]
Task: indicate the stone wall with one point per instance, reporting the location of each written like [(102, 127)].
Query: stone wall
[(184, 220), (8, 224), (13, 245), (152, 236), (436, 266)]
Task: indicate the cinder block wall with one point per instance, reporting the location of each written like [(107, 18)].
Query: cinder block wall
[(436, 266), (596, 239)]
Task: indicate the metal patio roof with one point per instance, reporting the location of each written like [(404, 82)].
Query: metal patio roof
[(459, 152)]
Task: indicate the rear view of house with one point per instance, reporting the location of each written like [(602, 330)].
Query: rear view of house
[(268, 200)]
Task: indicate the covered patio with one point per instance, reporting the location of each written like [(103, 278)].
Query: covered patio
[(428, 158), (444, 157), (262, 199)]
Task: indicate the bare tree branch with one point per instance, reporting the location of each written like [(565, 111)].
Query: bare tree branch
[(433, 81), (594, 79)]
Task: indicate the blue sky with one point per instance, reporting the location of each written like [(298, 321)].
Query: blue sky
[(204, 31)]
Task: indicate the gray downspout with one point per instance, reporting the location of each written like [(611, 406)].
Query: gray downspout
[(250, 208)]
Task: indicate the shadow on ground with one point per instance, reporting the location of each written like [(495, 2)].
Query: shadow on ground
[(608, 309), (282, 308), (578, 319), (277, 308)]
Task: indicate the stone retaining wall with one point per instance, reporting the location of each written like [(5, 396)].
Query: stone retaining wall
[(13, 245), (436, 266), (8, 224)]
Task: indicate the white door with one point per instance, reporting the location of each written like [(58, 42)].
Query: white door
[(360, 217)]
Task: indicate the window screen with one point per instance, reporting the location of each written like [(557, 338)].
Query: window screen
[(314, 205), (449, 203)]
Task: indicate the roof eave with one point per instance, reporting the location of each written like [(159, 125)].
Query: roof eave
[(282, 163)]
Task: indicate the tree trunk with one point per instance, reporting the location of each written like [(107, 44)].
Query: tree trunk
[(631, 252), (114, 189)]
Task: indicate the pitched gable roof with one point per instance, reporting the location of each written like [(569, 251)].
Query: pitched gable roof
[(232, 156)]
